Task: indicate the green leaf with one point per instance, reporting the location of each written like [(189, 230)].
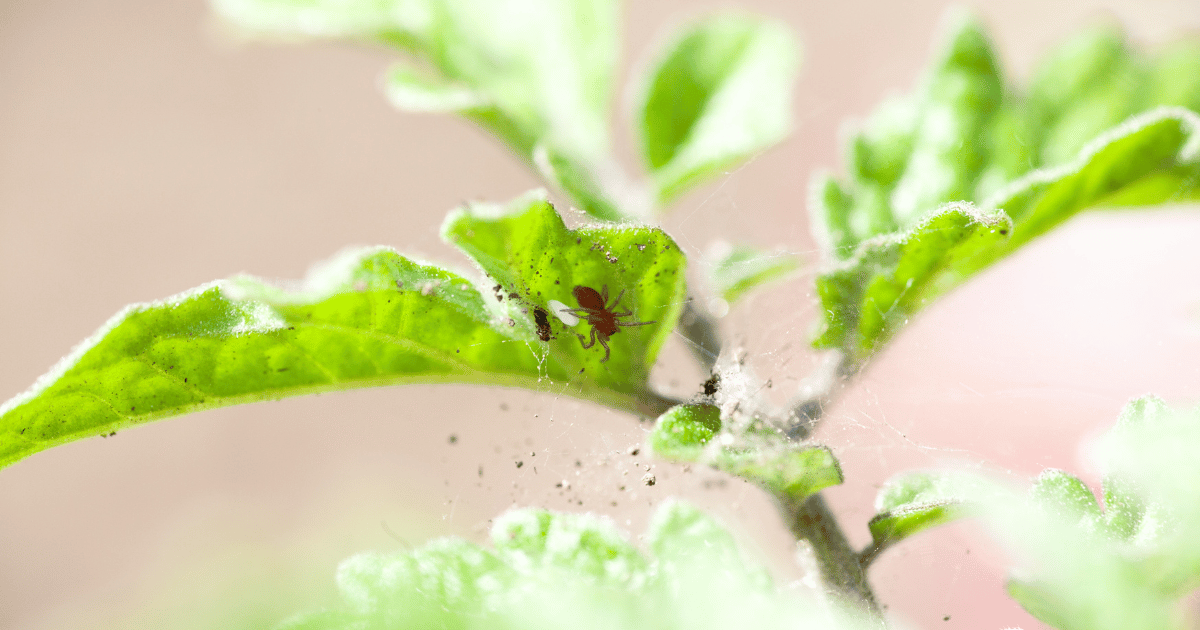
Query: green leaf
[(1175, 76), (735, 270), (1064, 494), (584, 546), (891, 277), (1130, 566), (719, 93), (869, 297), (580, 181), (553, 570), (913, 502), (534, 256), (795, 471), (962, 137), (370, 317), (962, 94), (683, 431), (687, 432), (535, 73)]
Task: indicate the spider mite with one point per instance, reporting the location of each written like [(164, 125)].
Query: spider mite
[(604, 320), (542, 319)]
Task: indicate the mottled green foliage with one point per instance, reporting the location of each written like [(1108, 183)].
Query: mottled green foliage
[(718, 93), (550, 570), (738, 269), (913, 502), (687, 432), (370, 317), (1034, 161)]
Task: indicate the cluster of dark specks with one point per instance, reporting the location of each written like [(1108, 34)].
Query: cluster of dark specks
[(541, 317)]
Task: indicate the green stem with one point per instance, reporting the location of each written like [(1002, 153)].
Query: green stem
[(811, 520)]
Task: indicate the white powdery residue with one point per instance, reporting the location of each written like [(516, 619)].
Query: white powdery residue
[(258, 317), (331, 276)]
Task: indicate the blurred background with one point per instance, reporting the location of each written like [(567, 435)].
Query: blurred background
[(144, 150)]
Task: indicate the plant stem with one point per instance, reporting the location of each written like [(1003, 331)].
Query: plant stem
[(811, 520), (816, 393), (843, 570), (701, 330)]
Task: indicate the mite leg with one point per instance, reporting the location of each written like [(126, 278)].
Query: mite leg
[(604, 342), (590, 343), (616, 301)]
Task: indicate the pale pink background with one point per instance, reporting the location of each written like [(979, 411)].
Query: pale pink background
[(143, 152)]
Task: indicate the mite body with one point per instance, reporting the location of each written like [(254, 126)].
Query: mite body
[(603, 318)]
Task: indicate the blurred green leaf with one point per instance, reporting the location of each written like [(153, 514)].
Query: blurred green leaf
[(735, 270), (687, 432), (1125, 567), (371, 317), (868, 298), (1076, 142), (720, 92), (795, 471), (1175, 75), (1060, 492), (891, 277), (684, 430), (532, 72), (913, 502), (552, 570), (961, 95)]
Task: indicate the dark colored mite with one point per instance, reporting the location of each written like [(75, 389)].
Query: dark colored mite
[(711, 385), (604, 320), (542, 318)]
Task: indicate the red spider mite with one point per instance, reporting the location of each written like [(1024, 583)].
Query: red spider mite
[(604, 321)]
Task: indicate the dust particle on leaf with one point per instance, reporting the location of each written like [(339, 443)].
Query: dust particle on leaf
[(453, 439), (649, 479)]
